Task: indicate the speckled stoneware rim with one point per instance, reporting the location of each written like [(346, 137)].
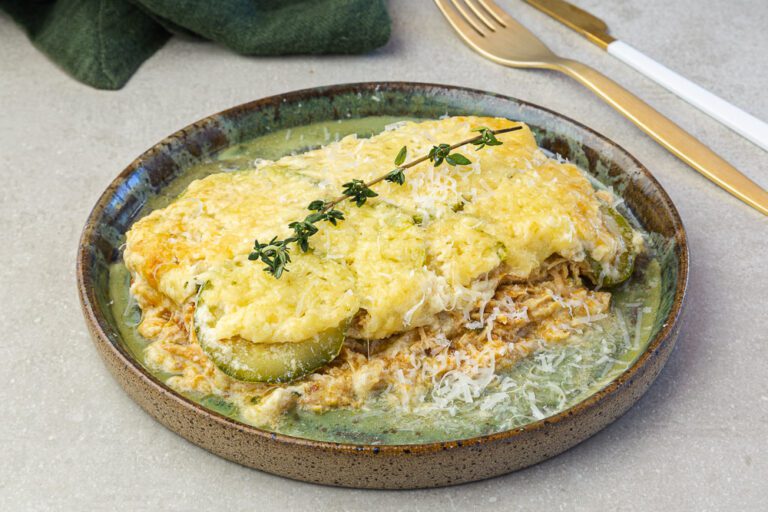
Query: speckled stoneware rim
[(199, 141)]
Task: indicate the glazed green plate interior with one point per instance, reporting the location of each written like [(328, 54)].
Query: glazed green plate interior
[(545, 386)]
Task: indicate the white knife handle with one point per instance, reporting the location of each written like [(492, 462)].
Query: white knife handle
[(733, 117)]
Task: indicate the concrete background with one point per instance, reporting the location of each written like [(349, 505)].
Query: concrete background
[(70, 439)]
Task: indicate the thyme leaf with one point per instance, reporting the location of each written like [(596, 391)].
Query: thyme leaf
[(400, 158), (396, 176), (358, 191)]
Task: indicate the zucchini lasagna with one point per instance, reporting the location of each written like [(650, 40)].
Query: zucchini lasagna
[(423, 295)]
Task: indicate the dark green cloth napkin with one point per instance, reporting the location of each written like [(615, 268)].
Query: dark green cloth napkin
[(103, 42)]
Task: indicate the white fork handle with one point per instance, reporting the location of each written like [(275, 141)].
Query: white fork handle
[(731, 116)]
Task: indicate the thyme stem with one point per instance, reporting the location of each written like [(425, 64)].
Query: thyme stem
[(275, 254), (417, 161)]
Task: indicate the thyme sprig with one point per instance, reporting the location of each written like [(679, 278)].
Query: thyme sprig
[(276, 253)]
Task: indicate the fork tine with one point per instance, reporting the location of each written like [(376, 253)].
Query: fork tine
[(510, 44), (482, 14), (497, 12), (511, 26), (455, 15), (468, 16)]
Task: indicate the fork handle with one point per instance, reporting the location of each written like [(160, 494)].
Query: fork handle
[(679, 142)]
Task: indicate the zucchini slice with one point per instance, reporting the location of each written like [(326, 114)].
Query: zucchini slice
[(268, 362), (273, 362), (624, 264)]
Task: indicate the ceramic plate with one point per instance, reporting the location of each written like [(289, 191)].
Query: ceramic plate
[(365, 465)]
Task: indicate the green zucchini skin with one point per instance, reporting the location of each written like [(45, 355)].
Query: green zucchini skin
[(277, 362), (273, 362), (625, 262)]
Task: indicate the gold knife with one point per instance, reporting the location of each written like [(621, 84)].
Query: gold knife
[(497, 36), (595, 29)]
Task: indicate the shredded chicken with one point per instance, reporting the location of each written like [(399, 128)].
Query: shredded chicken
[(405, 369)]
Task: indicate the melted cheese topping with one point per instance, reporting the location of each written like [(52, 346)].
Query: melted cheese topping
[(315, 294), (396, 263)]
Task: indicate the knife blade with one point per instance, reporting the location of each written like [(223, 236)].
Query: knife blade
[(588, 25), (596, 30)]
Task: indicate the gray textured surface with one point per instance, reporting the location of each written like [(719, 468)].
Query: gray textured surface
[(70, 439)]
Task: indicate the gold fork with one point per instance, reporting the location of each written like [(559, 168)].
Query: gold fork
[(490, 31)]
